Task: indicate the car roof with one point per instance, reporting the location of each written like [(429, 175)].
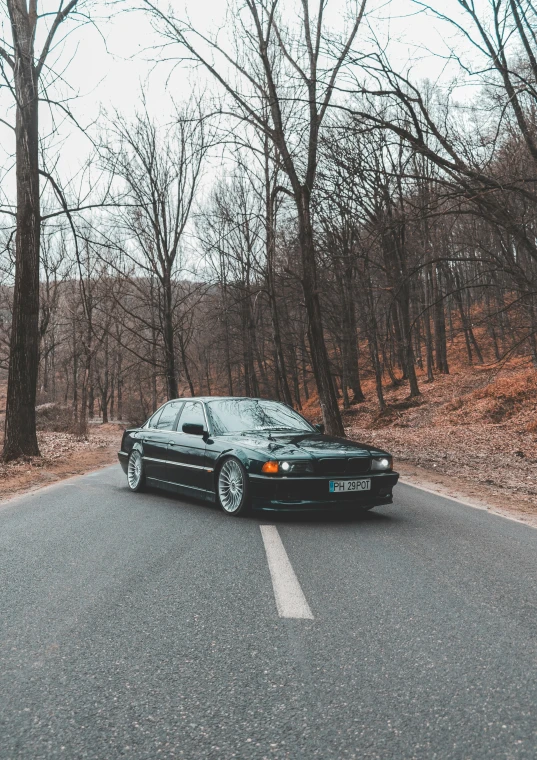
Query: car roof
[(223, 398)]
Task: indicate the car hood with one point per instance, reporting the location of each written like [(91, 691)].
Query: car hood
[(301, 445)]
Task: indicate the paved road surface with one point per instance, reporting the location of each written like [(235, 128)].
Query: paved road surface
[(141, 626)]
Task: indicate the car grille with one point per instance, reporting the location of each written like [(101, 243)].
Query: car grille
[(332, 466), (351, 466), (357, 466)]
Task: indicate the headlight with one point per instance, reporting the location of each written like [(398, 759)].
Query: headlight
[(288, 468), (381, 464), (297, 468)]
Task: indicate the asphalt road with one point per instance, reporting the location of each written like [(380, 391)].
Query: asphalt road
[(142, 626)]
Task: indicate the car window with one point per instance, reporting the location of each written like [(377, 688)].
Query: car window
[(167, 417), (152, 422), (234, 415), (192, 414)]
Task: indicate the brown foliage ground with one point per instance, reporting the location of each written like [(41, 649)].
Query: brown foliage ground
[(473, 432), (63, 455)]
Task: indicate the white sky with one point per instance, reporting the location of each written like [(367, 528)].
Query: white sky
[(109, 67), (111, 75)]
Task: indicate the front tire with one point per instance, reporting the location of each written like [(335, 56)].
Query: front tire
[(135, 472), (232, 488)]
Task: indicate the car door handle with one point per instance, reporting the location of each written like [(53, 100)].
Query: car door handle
[(172, 443)]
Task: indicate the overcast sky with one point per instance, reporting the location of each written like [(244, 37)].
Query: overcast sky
[(110, 71), (108, 64)]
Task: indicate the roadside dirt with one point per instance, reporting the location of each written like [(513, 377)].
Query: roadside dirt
[(63, 455), (471, 435)]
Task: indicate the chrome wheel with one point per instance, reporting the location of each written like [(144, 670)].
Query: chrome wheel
[(231, 487), (135, 471)]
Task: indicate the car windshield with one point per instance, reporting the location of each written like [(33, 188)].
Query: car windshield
[(240, 415)]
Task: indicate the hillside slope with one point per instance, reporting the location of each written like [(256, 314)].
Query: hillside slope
[(478, 426)]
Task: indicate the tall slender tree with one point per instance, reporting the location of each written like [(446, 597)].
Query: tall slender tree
[(23, 67)]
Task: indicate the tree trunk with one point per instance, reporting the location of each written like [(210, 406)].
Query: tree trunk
[(91, 394), (75, 374), (154, 363), (277, 384), (351, 371), (258, 360), (281, 371), (20, 424), (88, 348), (407, 338), (281, 368), (105, 384), (143, 406), (208, 373), (303, 361), (374, 352), (53, 369), (104, 406), (84, 406), (394, 258), (469, 337), (296, 383), (67, 388), (112, 397), (169, 352), (119, 387), (319, 354), (248, 340), (226, 329), (439, 324), (372, 338), (184, 359), (399, 354), (428, 332)]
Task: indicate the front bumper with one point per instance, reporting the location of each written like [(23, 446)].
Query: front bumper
[(298, 494)]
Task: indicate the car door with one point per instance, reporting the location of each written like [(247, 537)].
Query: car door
[(187, 466), (155, 440)]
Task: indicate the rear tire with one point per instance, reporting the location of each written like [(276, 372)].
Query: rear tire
[(232, 488), (135, 472)]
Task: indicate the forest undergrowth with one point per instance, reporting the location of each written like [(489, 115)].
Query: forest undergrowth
[(476, 425)]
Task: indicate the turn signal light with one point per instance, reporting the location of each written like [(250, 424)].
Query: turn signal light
[(270, 468)]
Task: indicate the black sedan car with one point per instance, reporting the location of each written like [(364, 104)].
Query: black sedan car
[(250, 452)]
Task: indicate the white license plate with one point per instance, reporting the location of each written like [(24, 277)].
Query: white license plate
[(343, 486)]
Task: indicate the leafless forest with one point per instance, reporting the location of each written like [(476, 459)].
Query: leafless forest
[(316, 220)]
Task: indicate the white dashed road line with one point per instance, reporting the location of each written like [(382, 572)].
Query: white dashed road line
[(290, 599)]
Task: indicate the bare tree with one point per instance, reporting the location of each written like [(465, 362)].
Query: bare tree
[(282, 53), (159, 176), (23, 68)]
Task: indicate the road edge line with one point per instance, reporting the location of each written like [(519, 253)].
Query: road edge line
[(488, 509)]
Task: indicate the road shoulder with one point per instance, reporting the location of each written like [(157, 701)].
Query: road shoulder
[(472, 494), (19, 478)]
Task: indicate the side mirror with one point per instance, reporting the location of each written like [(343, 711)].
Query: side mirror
[(319, 427), (192, 429)]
